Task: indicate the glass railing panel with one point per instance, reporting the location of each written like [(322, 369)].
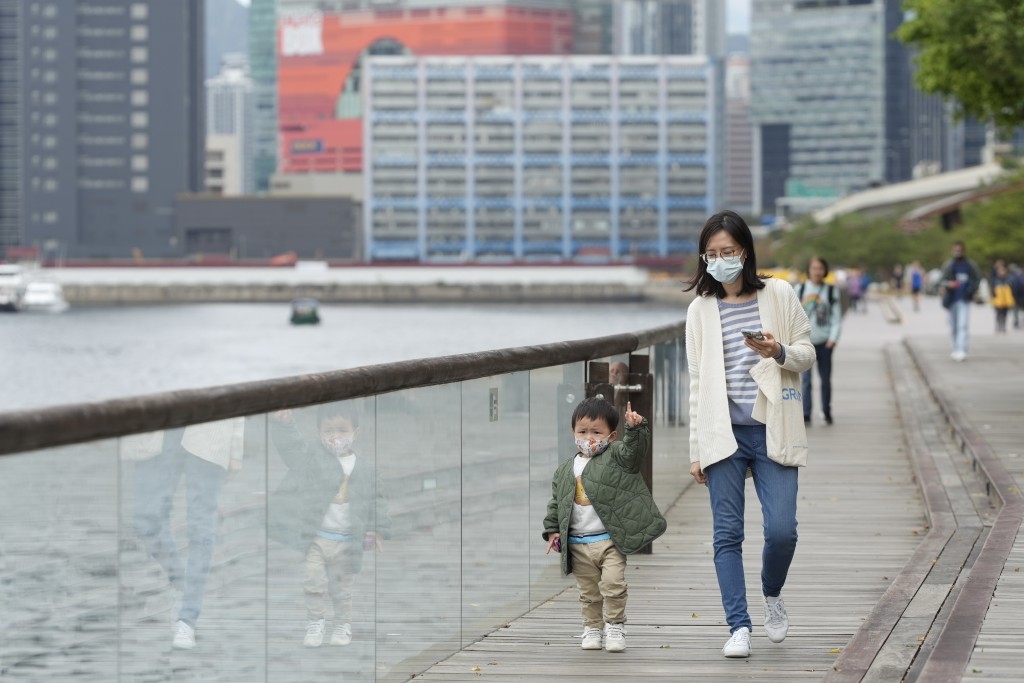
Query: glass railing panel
[(495, 502), (192, 565), (419, 573), (58, 562), (322, 509), (670, 444), (554, 393)]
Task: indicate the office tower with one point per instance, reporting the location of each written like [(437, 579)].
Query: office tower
[(263, 72), (10, 123), (835, 105), (229, 126), (539, 157), (111, 122), (739, 136), (649, 27)]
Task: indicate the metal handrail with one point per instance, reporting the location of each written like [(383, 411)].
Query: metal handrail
[(28, 430)]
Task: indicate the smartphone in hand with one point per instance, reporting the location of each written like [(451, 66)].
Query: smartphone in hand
[(752, 334)]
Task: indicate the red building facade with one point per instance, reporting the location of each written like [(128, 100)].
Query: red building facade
[(319, 58)]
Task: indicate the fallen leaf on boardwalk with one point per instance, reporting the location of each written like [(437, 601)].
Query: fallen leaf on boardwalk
[(915, 532), (921, 639), (694, 616), (834, 651), (475, 668), (664, 647)]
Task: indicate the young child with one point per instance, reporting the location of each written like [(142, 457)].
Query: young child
[(330, 506), (600, 511)]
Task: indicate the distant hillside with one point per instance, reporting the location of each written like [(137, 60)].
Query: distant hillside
[(227, 30)]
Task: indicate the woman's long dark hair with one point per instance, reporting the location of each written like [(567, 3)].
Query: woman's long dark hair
[(732, 223)]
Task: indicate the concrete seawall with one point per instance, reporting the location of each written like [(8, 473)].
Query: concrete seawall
[(85, 286)]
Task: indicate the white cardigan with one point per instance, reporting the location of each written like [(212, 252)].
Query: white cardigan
[(779, 404)]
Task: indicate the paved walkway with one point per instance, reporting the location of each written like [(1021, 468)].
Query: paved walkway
[(909, 563)]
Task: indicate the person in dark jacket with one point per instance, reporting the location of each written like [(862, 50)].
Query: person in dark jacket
[(330, 506), (600, 511), (960, 279)]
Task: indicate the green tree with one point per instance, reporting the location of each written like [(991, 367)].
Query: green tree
[(969, 51)]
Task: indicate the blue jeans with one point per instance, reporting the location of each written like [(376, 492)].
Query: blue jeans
[(776, 487), (155, 483), (959, 318), (824, 362)]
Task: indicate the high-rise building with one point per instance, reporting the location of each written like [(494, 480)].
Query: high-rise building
[(263, 72), (672, 27), (229, 115), (324, 44), (539, 157), (10, 123), (834, 103), (227, 32), (111, 122), (739, 136)]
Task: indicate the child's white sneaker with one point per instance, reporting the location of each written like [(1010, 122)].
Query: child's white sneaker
[(184, 636), (591, 638), (314, 633), (342, 634), (614, 638), (739, 644)]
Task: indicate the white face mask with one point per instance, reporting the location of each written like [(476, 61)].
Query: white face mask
[(338, 445), (726, 270), (591, 447)]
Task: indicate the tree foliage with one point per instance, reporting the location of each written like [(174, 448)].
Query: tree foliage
[(991, 229), (969, 51)]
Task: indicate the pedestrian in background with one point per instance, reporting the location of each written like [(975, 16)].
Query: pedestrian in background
[(960, 279), (747, 341), (821, 303), (1002, 294)]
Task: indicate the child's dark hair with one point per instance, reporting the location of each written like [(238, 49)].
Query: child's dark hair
[(595, 408), (329, 411)]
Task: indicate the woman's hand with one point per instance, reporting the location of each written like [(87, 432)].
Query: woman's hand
[(554, 543), (697, 475), (768, 347)]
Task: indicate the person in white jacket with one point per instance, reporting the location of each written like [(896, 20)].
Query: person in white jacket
[(747, 341)]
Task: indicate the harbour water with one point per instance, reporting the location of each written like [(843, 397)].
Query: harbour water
[(95, 353)]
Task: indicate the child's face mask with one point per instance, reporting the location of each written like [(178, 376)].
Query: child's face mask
[(591, 447), (338, 445)]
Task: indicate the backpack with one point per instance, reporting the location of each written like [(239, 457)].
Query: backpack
[(822, 312)]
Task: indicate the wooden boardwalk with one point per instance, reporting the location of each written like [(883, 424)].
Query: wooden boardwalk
[(890, 577)]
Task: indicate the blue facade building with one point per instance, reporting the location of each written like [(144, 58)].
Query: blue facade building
[(539, 158)]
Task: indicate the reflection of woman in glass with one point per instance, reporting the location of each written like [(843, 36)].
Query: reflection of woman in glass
[(330, 506), (205, 454)]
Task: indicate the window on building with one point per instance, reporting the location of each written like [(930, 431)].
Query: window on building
[(140, 141), (140, 98), (140, 183), (140, 10), (140, 162), (140, 76), (140, 119), (140, 54), (140, 33)]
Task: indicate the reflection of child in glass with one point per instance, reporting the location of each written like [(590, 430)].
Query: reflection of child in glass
[(602, 507), (329, 505)]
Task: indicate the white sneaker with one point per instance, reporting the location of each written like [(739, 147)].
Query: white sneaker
[(591, 638), (614, 637), (958, 356), (776, 621), (342, 634), (184, 636), (314, 633), (739, 644)]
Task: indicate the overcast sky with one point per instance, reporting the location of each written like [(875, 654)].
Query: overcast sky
[(737, 14)]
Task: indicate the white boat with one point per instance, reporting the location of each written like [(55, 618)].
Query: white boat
[(12, 282), (44, 297)]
